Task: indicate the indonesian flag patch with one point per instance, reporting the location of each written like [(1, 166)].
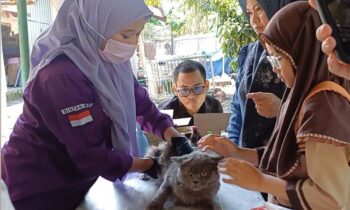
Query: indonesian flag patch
[(80, 119)]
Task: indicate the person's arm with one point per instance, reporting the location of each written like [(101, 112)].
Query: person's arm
[(84, 133), (235, 123), (149, 116), (328, 184), (245, 175), (141, 164), (171, 132), (250, 155), (266, 104), (152, 120)]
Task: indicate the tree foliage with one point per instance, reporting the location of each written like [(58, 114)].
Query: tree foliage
[(233, 29), (202, 16), (232, 26), (176, 23), (154, 3)]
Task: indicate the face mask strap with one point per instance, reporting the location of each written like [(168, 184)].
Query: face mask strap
[(87, 23)]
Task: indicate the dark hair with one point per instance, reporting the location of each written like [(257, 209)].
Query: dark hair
[(188, 66)]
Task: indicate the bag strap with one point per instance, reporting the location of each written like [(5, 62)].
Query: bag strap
[(323, 86)]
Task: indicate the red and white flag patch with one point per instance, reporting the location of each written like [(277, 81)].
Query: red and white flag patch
[(80, 119)]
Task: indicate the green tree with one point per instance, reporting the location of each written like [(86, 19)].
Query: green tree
[(199, 14), (154, 3), (176, 23), (232, 26), (202, 16)]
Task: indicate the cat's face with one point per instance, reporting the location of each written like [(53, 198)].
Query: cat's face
[(198, 170)]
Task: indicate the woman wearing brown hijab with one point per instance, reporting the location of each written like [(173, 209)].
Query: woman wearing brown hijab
[(306, 162)]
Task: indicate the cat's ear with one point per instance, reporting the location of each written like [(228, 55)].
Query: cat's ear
[(180, 159)]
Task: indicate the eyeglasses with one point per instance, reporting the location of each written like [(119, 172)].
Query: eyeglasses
[(274, 61), (185, 92)]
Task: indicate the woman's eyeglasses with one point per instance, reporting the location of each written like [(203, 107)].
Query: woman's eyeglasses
[(185, 92), (274, 61)]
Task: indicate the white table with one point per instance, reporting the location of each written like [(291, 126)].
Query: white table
[(135, 194)]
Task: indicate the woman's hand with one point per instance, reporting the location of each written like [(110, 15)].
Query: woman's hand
[(221, 145), (324, 35), (226, 148), (313, 3), (141, 164), (242, 174), (335, 65), (266, 104), (245, 175)]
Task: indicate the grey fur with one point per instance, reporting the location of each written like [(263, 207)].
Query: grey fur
[(191, 180)]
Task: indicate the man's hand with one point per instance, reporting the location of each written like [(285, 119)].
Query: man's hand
[(266, 104)]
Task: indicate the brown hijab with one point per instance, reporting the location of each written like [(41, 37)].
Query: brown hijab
[(292, 32)]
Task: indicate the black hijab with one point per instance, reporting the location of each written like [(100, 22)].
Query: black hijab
[(270, 6), (258, 77)]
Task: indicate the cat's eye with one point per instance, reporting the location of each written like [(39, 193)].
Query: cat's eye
[(188, 173), (204, 174)]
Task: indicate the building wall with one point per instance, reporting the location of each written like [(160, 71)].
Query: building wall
[(196, 44), (39, 18)]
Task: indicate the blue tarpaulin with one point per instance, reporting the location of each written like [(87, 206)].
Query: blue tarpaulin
[(217, 66)]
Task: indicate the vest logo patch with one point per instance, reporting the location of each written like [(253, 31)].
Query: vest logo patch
[(76, 108)]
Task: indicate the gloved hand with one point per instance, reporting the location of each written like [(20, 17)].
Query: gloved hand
[(181, 145), (154, 170)]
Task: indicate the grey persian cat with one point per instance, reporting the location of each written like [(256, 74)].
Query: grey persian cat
[(190, 180)]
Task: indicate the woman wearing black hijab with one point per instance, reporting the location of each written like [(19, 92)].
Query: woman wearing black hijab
[(252, 121)]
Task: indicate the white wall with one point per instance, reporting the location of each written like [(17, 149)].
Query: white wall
[(40, 17), (194, 45)]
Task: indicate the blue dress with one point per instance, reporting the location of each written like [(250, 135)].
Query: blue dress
[(246, 127)]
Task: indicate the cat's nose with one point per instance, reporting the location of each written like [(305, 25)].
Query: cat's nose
[(195, 181)]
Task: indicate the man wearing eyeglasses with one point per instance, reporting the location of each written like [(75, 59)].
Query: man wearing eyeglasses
[(190, 88)]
